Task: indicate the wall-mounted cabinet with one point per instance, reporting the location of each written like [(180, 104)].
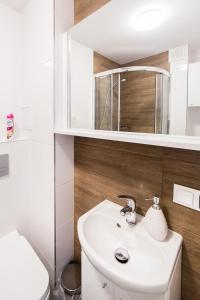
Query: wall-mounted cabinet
[(129, 93), (96, 286), (194, 85)]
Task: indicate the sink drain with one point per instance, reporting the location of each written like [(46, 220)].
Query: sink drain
[(121, 255)]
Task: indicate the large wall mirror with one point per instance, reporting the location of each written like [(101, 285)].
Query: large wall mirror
[(135, 67)]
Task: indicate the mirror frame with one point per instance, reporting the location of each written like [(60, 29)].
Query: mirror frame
[(163, 140)]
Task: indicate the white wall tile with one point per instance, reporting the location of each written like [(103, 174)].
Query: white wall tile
[(62, 139), (64, 203), (42, 123), (42, 235), (27, 194), (64, 163), (65, 244), (81, 62), (64, 167), (11, 68), (64, 19), (14, 188), (41, 208), (38, 26), (38, 95), (64, 146)]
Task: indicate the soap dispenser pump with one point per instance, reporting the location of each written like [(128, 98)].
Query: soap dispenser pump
[(155, 221)]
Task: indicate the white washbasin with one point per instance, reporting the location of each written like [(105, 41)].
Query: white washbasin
[(151, 263)]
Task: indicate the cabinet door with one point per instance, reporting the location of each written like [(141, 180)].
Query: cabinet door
[(121, 295), (124, 295), (94, 285), (194, 85)]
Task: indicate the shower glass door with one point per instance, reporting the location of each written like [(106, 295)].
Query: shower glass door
[(162, 104), (107, 90), (132, 101)]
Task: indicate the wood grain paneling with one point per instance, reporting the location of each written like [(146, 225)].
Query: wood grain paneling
[(138, 95), (83, 8), (159, 60), (101, 63), (104, 169), (138, 102)]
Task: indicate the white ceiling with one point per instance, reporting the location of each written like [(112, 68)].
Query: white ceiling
[(110, 30), (16, 4)]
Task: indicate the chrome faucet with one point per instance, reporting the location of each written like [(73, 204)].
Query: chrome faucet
[(129, 209)]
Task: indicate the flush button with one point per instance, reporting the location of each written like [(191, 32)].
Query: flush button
[(4, 165)]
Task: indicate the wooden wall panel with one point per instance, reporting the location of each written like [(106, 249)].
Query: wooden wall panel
[(183, 167), (83, 8), (104, 169), (101, 63), (138, 98), (138, 95), (159, 60)]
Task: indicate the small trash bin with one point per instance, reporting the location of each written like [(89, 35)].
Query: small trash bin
[(71, 281)]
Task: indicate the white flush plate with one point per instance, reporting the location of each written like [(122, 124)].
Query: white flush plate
[(186, 196), (4, 165)]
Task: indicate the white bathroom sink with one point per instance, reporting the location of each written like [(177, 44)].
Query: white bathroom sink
[(102, 230)]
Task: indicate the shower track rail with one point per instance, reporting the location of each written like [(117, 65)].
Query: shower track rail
[(131, 69)]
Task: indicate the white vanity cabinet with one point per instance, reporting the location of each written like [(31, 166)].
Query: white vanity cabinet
[(121, 295), (194, 85), (94, 285)]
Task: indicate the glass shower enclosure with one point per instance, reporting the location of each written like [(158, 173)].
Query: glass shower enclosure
[(134, 99)]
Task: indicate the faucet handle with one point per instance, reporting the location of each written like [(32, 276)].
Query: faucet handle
[(129, 210), (126, 197), (131, 201)]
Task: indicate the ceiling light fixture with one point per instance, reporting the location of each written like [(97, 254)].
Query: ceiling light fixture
[(149, 20)]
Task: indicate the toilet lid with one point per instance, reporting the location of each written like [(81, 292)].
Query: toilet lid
[(22, 274)]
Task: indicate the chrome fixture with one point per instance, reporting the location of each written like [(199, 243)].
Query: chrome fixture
[(129, 209), (156, 201)]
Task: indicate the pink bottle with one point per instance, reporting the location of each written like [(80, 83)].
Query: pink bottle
[(10, 126)]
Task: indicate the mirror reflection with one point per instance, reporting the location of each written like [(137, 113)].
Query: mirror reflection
[(133, 99), (137, 67)]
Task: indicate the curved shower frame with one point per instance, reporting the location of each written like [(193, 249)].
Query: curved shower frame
[(134, 69)]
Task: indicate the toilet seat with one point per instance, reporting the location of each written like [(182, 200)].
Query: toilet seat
[(22, 274)]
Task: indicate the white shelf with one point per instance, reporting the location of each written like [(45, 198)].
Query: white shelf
[(172, 141), (13, 140)]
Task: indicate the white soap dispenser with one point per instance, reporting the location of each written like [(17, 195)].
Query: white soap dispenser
[(155, 221)]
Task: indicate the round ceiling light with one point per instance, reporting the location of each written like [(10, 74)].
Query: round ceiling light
[(149, 20)]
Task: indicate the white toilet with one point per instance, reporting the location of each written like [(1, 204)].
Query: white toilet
[(22, 274)]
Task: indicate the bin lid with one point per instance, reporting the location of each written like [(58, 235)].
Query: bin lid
[(71, 277)]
